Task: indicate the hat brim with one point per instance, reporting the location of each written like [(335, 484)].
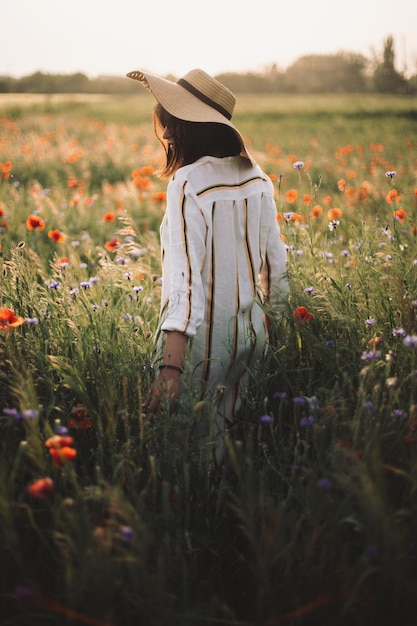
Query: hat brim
[(181, 103)]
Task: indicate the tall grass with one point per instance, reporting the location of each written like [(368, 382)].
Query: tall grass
[(313, 519)]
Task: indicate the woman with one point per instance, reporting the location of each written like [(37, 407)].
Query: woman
[(223, 260)]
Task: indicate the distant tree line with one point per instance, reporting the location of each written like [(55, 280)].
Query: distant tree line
[(343, 72)]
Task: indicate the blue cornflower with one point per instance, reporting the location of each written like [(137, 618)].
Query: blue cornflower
[(368, 406), (30, 414), (299, 400), (309, 290), (280, 395), (370, 321), (398, 414), (137, 289), (324, 483), (54, 284), (307, 421), (410, 341), (298, 165), (266, 419), (390, 174), (127, 533), (32, 321), (371, 355), (85, 284)]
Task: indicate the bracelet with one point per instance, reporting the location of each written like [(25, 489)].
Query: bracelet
[(167, 366)]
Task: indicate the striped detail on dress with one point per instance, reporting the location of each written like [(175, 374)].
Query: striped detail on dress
[(188, 277), (230, 187), (210, 305)]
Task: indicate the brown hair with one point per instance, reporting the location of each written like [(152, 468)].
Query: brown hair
[(192, 140)]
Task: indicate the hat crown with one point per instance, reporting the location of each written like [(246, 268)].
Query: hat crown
[(211, 89)]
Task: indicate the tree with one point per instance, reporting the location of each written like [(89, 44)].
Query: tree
[(386, 79), (328, 73)]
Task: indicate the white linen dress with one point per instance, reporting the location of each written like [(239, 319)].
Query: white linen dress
[(223, 262)]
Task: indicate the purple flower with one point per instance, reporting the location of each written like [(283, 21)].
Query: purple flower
[(54, 284), (324, 483), (127, 533), (266, 419), (330, 343), (85, 284), (280, 395), (30, 414), (298, 165), (371, 355), (61, 430), (370, 321), (390, 174), (307, 421), (299, 400), (398, 332), (309, 290), (137, 289), (410, 341), (32, 321), (398, 414), (368, 406), (11, 413)]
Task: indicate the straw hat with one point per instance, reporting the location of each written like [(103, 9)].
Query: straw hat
[(197, 97)]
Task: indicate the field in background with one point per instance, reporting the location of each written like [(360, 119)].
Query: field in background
[(106, 519)]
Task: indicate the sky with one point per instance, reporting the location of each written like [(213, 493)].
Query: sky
[(103, 37)]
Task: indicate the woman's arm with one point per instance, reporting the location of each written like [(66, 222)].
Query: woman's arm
[(167, 385)]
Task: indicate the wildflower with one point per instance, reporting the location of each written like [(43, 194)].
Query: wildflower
[(398, 414), (112, 245), (60, 449), (392, 196), (370, 321), (371, 355), (334, 224), (109, 217), (298, 165), (160, 196), (62, 262), (324, 483), (291, 196), (280, 395), (410, 341), (34, 222), (137, 289), (330, 343), (42, 488), (9, 321), (57, 236), (79, 419), (121, 260), (400, 215), (72, 182), (127, 533), (334, 214), (301, 314), (299, 400), (316, 211), (368, 406), (390, 174), (341, 184), (398, 332), (307, 421), (54, 284), (266, 419), (11, 412), (29, 414), (85, 284), (309, 290)]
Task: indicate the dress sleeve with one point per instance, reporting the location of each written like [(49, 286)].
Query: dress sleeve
[(185, 254)]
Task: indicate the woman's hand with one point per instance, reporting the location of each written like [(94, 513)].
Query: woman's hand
[(167, 386), (165, 389)]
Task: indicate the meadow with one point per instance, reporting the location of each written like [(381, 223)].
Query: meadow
[(109, 519)]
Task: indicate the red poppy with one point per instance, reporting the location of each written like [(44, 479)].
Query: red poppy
[(60, 449), (42, 488), (34, 222), (291, 196), (8, 320), (57, 236), (112, 245), (109, 217), (79, 419), (301, 314)]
